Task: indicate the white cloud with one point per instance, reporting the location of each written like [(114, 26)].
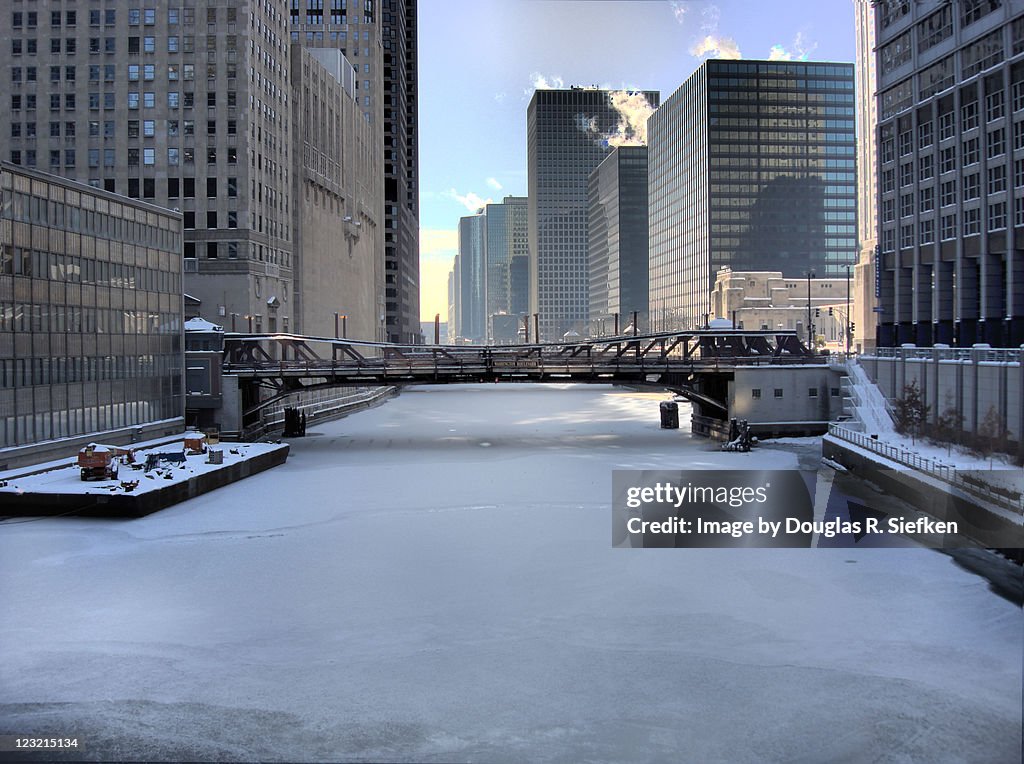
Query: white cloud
[(539, 81), (493, 183), (470, 201), (799, 50), (633, 109), (714, 46), (678, 10)]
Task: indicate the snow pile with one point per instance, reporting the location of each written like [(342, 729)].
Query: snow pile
[(870, 407)]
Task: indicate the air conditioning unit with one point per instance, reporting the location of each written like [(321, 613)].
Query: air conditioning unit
[(191, 265)]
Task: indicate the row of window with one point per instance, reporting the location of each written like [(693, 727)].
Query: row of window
[(778, 392), (146, 128), (145, 44), (61, 268), (970, 221)]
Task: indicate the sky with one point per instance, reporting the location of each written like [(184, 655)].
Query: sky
[(480, 61)]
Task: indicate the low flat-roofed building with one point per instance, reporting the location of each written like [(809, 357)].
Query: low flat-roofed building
[(90, 317)]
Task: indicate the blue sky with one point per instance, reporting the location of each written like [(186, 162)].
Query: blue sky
[(480, 62)]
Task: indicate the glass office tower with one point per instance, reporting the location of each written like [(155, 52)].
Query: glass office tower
[(751, 166), (90, 311), (567, 137)]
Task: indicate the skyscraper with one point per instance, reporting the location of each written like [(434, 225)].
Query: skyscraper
[(506, 238), (379, 38), (568, 133), (951, 172), (472, 279), (184, 107), (751, 166), (618, 231), (865, 299)]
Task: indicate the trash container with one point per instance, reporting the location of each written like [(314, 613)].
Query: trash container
[(669, 415)]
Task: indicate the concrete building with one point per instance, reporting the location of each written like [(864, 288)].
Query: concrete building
[(90, 318), (569, 132), (338, 218), (617, 257), (951, 172), (472, 297), (184, 107), (507, 237), (767, 300), (751, 166), (379, 38), (865, 298)]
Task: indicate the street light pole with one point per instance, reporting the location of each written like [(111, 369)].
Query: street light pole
[(847, 332), (810, 331)]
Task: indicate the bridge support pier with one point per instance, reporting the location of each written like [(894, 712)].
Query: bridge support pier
[(231, 407)]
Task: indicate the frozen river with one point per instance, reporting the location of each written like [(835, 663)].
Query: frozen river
[(434, 580)]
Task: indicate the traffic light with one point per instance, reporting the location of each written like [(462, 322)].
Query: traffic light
[(852, 326), (830, 311), (817, 312)]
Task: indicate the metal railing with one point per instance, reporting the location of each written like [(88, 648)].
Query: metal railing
[(945, 472), (969, 355)]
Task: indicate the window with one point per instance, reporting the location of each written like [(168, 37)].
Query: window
[(996, 143), (133, 100), (906, 174), (172, 100), (926, 166), (812, 392), (149, 16), (232, 187), (972, 222), (211, 218), (172, 44), (133, 157), (149, 72), (972, 10), (906, 236), (1018, 173), (995, 105), (133, 128), (211, 155), (134, 17), (926, 199), (947, 159), (232, 219), (778, 392), (172, 157), (906, 143), (755, 392), (149, 156), (947, 126), (972, 186), (189, 187), (149, 100), (173, 187), (172, 128), (888, 210), (888, 151), (211, 127), (133, 72), (889, 240), (997, 216), (149, 128), (211, 250), (189, 219), (1018, 136), (996, 179), (133, 188), (211, 188), (971, 152), (926, 231), (133, 45), (969, 115), (211, 99), (148, 188), (149, 44), (948, 227), (888, 180), (947, 193), (906, 205)]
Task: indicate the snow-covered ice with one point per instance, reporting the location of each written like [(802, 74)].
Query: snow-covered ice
[(434, 580)]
